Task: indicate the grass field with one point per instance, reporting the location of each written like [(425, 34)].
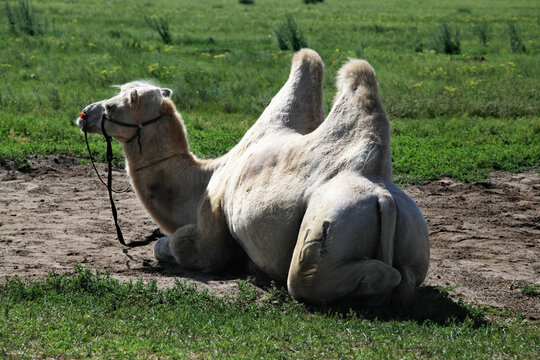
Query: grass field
[(84, 315), (461, 115)]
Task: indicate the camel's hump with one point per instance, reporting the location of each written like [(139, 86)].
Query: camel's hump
[(356, 73), (308, 56)]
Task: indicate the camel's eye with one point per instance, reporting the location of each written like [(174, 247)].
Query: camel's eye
[(110, 107)]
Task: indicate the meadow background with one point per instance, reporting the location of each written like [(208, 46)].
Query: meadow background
[(460, 115)]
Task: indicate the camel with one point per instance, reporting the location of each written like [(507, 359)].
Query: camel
[(309, 200)]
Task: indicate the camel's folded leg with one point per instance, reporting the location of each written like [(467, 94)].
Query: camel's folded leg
[(207, 246), (335, 252)]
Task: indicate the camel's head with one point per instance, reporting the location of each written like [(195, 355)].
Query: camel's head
[(137, 103)]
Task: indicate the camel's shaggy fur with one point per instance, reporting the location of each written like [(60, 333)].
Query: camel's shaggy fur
[(311, 203)]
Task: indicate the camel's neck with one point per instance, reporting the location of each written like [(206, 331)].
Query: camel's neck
[(167, 178)]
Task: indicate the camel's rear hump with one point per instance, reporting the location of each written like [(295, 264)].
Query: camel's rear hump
[(357, 78), (357, 123)]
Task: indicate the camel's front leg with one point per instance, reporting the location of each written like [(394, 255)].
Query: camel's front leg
[(207, 246)]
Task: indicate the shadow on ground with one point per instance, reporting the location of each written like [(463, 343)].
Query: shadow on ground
[(430, 305)]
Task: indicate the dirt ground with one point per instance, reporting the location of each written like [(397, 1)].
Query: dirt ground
[(485, 237)]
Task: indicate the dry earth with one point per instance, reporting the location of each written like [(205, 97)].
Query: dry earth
[(485, 237)]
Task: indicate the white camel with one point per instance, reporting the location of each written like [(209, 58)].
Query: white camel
[(311, 203)]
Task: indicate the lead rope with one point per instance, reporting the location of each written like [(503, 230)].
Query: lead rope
[(148, 240), (95, 168), (110, 190), (109, 185)]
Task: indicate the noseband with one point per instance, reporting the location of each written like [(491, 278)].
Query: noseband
[(110, 190)]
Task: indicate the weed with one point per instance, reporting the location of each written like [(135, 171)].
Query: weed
[(483, 31), (531, 290), (514, 36), (289, 35), (312, 1), (23, 18), (248, 292), (379, 28), (447, 288), (247, 2), (446, 40), (161, 25), (114, 34)]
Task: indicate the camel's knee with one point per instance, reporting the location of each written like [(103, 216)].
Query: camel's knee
[(183, 246), (162, 251), (193, 250), (306, 274)]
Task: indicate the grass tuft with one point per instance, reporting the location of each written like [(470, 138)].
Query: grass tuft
[(483, 31), (515, 39), (531, 290), (22, 18), (446, 40), (289, 35), (161, 26)]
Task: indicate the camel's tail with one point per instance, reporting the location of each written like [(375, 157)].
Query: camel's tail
[(388, 216)]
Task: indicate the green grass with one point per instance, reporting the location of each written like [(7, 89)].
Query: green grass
[(531, 290), (87, 315), (224, 65)]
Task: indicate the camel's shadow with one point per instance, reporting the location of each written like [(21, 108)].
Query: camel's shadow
[(430, 305)]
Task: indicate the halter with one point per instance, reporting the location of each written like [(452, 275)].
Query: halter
[(137, 125), (110, 190)]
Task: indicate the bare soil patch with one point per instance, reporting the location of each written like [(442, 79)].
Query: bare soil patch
[(485, 236)]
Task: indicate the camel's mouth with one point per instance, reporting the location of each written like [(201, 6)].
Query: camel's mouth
[(82, 122), (88, 126), (90, 118)]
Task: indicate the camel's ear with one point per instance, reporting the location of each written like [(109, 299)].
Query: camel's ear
[(166, 92), (134, 98)]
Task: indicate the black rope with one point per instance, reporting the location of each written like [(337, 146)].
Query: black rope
[(109, 189)]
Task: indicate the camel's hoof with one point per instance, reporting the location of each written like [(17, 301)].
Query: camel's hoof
[(162, 252)]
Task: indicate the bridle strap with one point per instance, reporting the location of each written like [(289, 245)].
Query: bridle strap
[(136, 125)]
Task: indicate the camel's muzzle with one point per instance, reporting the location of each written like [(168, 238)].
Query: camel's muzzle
[(90, 118)]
